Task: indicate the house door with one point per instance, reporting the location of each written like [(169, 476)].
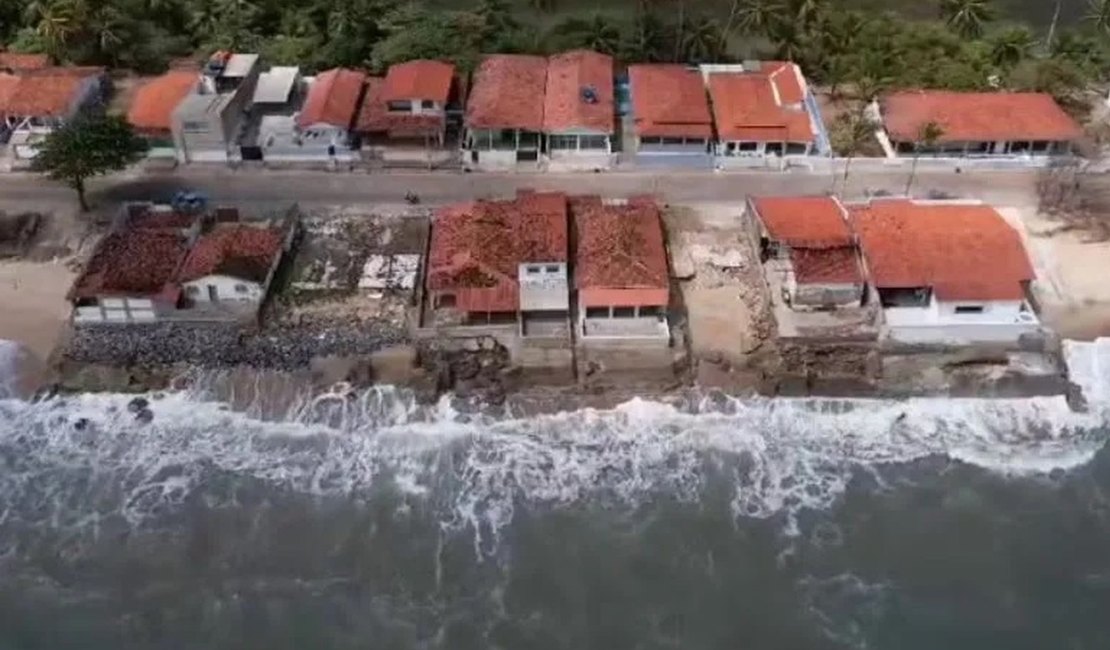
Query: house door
[(213, 295)]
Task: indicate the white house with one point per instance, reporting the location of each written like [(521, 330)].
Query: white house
[(946, 272), (206, 124)]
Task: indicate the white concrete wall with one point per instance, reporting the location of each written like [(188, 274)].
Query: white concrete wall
[(1000, 321), (227, 289)]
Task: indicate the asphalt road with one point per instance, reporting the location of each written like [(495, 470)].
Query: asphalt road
[(308, 188)]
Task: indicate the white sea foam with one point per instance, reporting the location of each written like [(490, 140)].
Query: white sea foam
[(782, 455)]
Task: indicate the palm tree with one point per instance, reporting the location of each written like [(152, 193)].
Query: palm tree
[(789, 40), (755, 16), (702, 41), (1011, 47), (927, 136), (1052, 26), (598, 33), (602, 35), (57, 21), (647, 39), (806, 12), (967, 17), (1098, 14)]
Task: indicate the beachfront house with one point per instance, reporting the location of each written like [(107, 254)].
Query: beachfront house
[(162, 263), (946, 271), (670, 121), (808, 251)]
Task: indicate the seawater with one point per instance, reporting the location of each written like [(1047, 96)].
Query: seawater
[(368, 521)]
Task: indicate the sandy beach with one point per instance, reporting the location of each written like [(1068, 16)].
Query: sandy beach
[(35, 310)]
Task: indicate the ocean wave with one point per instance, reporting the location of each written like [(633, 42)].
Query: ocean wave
[(70, 462)]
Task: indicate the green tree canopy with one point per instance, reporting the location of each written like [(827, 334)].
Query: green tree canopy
[(88, 146)]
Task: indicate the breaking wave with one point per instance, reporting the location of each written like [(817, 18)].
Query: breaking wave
[(76, 461)]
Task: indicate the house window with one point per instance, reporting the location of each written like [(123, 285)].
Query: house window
[(644, 141), (1040, 146), (969, 309), (747, 146), (445, 300), (427, 103), (562, 142), (979, 147), (651, 311), (796, 148), (592, 142), (505, 139), (241, 288), (551, 268), (1019, 147), (773, 148), (192, 290), (597, 312), (529, 140), (194, 127), (673, 141), (532, 270), (624, 312), (400, 107)]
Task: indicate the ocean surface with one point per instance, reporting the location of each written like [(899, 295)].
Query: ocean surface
[(232, 521)]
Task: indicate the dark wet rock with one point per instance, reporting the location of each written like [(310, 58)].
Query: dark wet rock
[(144, 416), (80, 424), (137, 404)]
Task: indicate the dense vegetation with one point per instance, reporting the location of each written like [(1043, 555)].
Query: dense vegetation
[(964, 45)]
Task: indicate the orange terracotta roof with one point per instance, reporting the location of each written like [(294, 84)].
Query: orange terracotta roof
[(962, 251), (787, 79), (826, 265), (153, 104), (747, 107), (668, 100), (804, 221), (421, 79), (8, 83), (976, 117), (236, 250), (49, 92), (508, 93), (19, 62), (570, 76), (476, 248), (135, 263), (619, 246), (332, 99), (374, 116)]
